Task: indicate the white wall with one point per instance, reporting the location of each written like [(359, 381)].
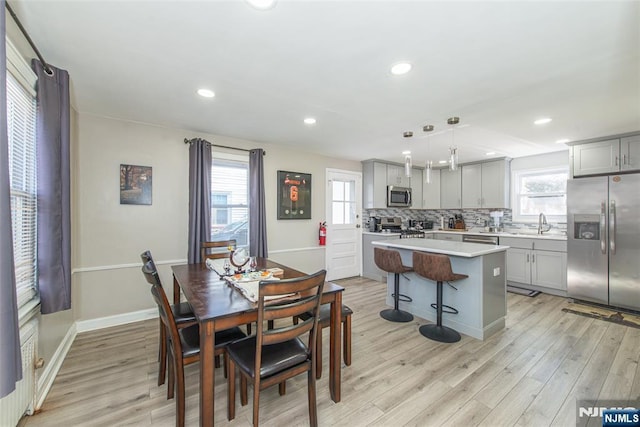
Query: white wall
[(558, 158), (110, 237)]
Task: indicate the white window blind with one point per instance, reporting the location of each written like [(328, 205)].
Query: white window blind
[(21, 129)]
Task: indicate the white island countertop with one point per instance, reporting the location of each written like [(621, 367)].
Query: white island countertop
[(445, 247)]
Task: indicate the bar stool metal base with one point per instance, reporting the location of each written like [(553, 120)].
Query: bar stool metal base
[(394, 315), (440, 333)]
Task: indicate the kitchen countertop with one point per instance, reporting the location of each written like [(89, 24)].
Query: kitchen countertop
[(520, 234), (445, 247)]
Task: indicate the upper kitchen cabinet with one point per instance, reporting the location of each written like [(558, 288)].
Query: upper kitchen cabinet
[(431, 192), (396, 176), (630, 151), (450, 189), (486, 185), (416, 189), (606, 156), (374, 185)]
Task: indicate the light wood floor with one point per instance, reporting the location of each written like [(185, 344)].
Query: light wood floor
[(529, 374)]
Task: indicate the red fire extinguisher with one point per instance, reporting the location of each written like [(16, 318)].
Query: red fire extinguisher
[(322, 233)]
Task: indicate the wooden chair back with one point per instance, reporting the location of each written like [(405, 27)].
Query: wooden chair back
[(307, 291), (212, 250)]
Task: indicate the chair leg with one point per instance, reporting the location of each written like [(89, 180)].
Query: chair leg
[(313, 410), (346, 338), (282, 388), (231, 389), (319, 354), (243, 390), (180, 399), (162, 354), (248, 328), (217, 361), (256, 401), (172, 376), (225, 364)]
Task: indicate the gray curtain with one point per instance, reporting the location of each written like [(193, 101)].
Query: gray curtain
[(54, 197), (257, 210), (10, 360), (199, 197)]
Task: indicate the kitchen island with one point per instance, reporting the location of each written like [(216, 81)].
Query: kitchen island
[(480, 299)]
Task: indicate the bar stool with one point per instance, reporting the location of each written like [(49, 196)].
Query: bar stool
[(390, 261), (437, 267)]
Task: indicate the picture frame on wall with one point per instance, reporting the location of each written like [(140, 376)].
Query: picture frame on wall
[(135, 185), (294, 195)]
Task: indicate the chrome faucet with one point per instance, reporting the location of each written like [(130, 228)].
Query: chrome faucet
[(542, 221)]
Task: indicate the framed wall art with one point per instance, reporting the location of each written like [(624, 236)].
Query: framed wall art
[(294, 195), (135, 185)]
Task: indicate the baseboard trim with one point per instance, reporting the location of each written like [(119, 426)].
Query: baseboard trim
[(45, 381), (115, 320)]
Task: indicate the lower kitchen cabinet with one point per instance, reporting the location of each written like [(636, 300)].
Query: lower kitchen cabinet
[(369, 268), (538, 264)]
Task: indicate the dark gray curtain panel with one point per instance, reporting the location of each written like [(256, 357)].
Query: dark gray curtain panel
[(199, 197), (257, 205), (54, 190), (10, 359)]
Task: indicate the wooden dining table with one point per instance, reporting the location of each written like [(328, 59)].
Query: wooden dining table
[(217, 305)]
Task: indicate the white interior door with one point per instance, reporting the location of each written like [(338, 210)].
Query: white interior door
[(344, 239)]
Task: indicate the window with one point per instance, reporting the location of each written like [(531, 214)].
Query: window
[(538, 191), (230, 198), (343, 203), (21, 130)]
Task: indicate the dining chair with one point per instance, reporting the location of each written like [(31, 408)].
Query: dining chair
[(324, 321), (182, 315), (183, 344), (212, 250), (271, 356)]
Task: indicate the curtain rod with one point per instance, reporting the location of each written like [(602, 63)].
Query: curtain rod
[(45, 66), (188, 141)]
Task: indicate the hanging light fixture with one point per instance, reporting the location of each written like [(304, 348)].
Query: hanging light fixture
[(453, 150), (428, 167), (407, 156)]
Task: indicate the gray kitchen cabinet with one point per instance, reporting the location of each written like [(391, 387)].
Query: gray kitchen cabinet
[(536, 263), (596, 157), (396, 176), (374, 185), (450, 189), (431, 192), (451, 236), (630, 151), (369, 268), (416, 188), (486, 185)]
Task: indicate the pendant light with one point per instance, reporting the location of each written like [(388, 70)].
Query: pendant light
[(407, 156), (453, 150), (428, 167)]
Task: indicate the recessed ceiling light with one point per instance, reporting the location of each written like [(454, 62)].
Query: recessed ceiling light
[(442, 162), (401, 68), (262, 4), (206, 93), (309, 121), (406, 153), (542, 121), (490, 153), (563, 141)]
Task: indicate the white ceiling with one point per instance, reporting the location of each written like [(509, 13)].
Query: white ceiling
[(497, 65)]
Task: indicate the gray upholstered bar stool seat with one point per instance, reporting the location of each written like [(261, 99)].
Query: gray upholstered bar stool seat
[(390, 261), (437, 267)]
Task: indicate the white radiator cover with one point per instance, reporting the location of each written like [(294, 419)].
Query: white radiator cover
[(21, 401)]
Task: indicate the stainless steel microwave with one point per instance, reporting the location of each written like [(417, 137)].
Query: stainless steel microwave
[(398, 196)]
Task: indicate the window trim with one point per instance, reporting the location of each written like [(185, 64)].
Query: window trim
[(515, 195)]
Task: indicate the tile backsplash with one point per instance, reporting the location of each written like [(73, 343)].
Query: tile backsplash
[(472, 217)]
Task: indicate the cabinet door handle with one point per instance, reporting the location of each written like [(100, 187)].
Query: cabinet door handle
[(616, 160), (624, 159), (527, 257), (533, 258)]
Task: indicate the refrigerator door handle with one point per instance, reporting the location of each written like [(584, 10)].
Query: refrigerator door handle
[(612, 227), (603, 224)]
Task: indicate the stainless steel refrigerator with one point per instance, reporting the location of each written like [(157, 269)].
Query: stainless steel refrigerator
[(603, 240)]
